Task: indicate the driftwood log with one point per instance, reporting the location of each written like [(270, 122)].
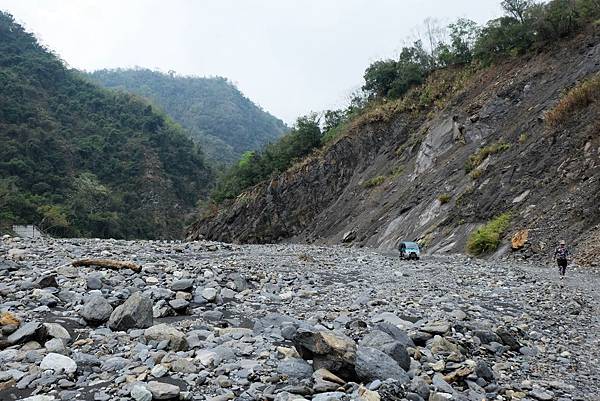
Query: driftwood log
[(109, 264)]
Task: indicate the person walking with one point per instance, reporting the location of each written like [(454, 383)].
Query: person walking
[(561, 254)]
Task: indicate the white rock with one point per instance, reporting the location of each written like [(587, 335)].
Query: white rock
[(163, 391), (139, 392), (58, 363), (206, 357), (286, 295), (39, 398), (17, 254), (158, 371), (209, 293)]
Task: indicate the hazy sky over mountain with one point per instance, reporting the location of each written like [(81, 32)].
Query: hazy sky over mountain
[(289, 56)]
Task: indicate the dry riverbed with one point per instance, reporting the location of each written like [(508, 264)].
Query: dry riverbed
[(210, 321)]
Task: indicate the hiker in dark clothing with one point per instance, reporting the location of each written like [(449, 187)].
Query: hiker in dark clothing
[(561, 254)]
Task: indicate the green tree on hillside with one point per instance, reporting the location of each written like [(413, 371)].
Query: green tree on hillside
[(80, 160), (211, 110), (255, 167)]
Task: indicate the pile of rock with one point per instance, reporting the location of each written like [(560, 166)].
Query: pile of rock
[(211, 322)]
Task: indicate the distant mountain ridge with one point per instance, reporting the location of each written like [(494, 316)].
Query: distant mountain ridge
[(80, 160), (213, 111)]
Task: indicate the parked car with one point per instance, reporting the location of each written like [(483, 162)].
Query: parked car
[(409, 250)]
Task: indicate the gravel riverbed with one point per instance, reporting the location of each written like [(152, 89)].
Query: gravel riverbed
[(212, 321)]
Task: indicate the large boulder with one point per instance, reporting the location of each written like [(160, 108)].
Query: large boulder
[(384, 342), (28, 331), (135, 313), (164, 332), (397, 333), (295, 368), (372, 364), (330, 350), (96, 310)]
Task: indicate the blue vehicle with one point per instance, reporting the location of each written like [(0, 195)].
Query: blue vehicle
[(409, 250)]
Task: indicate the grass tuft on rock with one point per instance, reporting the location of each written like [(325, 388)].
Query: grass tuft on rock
[(478, 157), (486, 239), (444, 198), (374, 182), (578, 98)]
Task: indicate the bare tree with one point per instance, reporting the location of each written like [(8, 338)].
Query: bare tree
[(432, 33), (517, 8)]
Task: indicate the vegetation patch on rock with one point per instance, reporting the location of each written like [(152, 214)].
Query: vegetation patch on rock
[(487, 238), (476, 159), (578, 98), (374, 182)]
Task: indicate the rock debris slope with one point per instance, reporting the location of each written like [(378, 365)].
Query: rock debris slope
[(410, 174), (210, 321)]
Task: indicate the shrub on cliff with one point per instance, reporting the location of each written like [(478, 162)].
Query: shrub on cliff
[(487, 238), (581, 96)]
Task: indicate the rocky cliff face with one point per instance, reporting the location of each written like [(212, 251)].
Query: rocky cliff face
[(546, 177)]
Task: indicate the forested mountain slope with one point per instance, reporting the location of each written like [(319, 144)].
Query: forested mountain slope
[(77, 159), (215, 113), (460, 162)]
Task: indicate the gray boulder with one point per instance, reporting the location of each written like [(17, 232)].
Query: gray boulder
[(483, 370), (487, 336), (397, 333), (28, 331), (384, 342), (96, 310), (136, 313), (372, 364), (295, 368), (330, 350)]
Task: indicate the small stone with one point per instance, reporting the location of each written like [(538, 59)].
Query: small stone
[(26, 332), (140, 393), (164, 332), (209, 294), (55, 330), (487, 336), (483, 370), (158, 371), (541, 395), (223, 381), (163, 391), (56, 345), (186, 285), (441, 385), (439, 327), (94, 281), (179, 305)]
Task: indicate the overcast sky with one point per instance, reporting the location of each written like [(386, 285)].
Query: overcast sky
[(289, 56)]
